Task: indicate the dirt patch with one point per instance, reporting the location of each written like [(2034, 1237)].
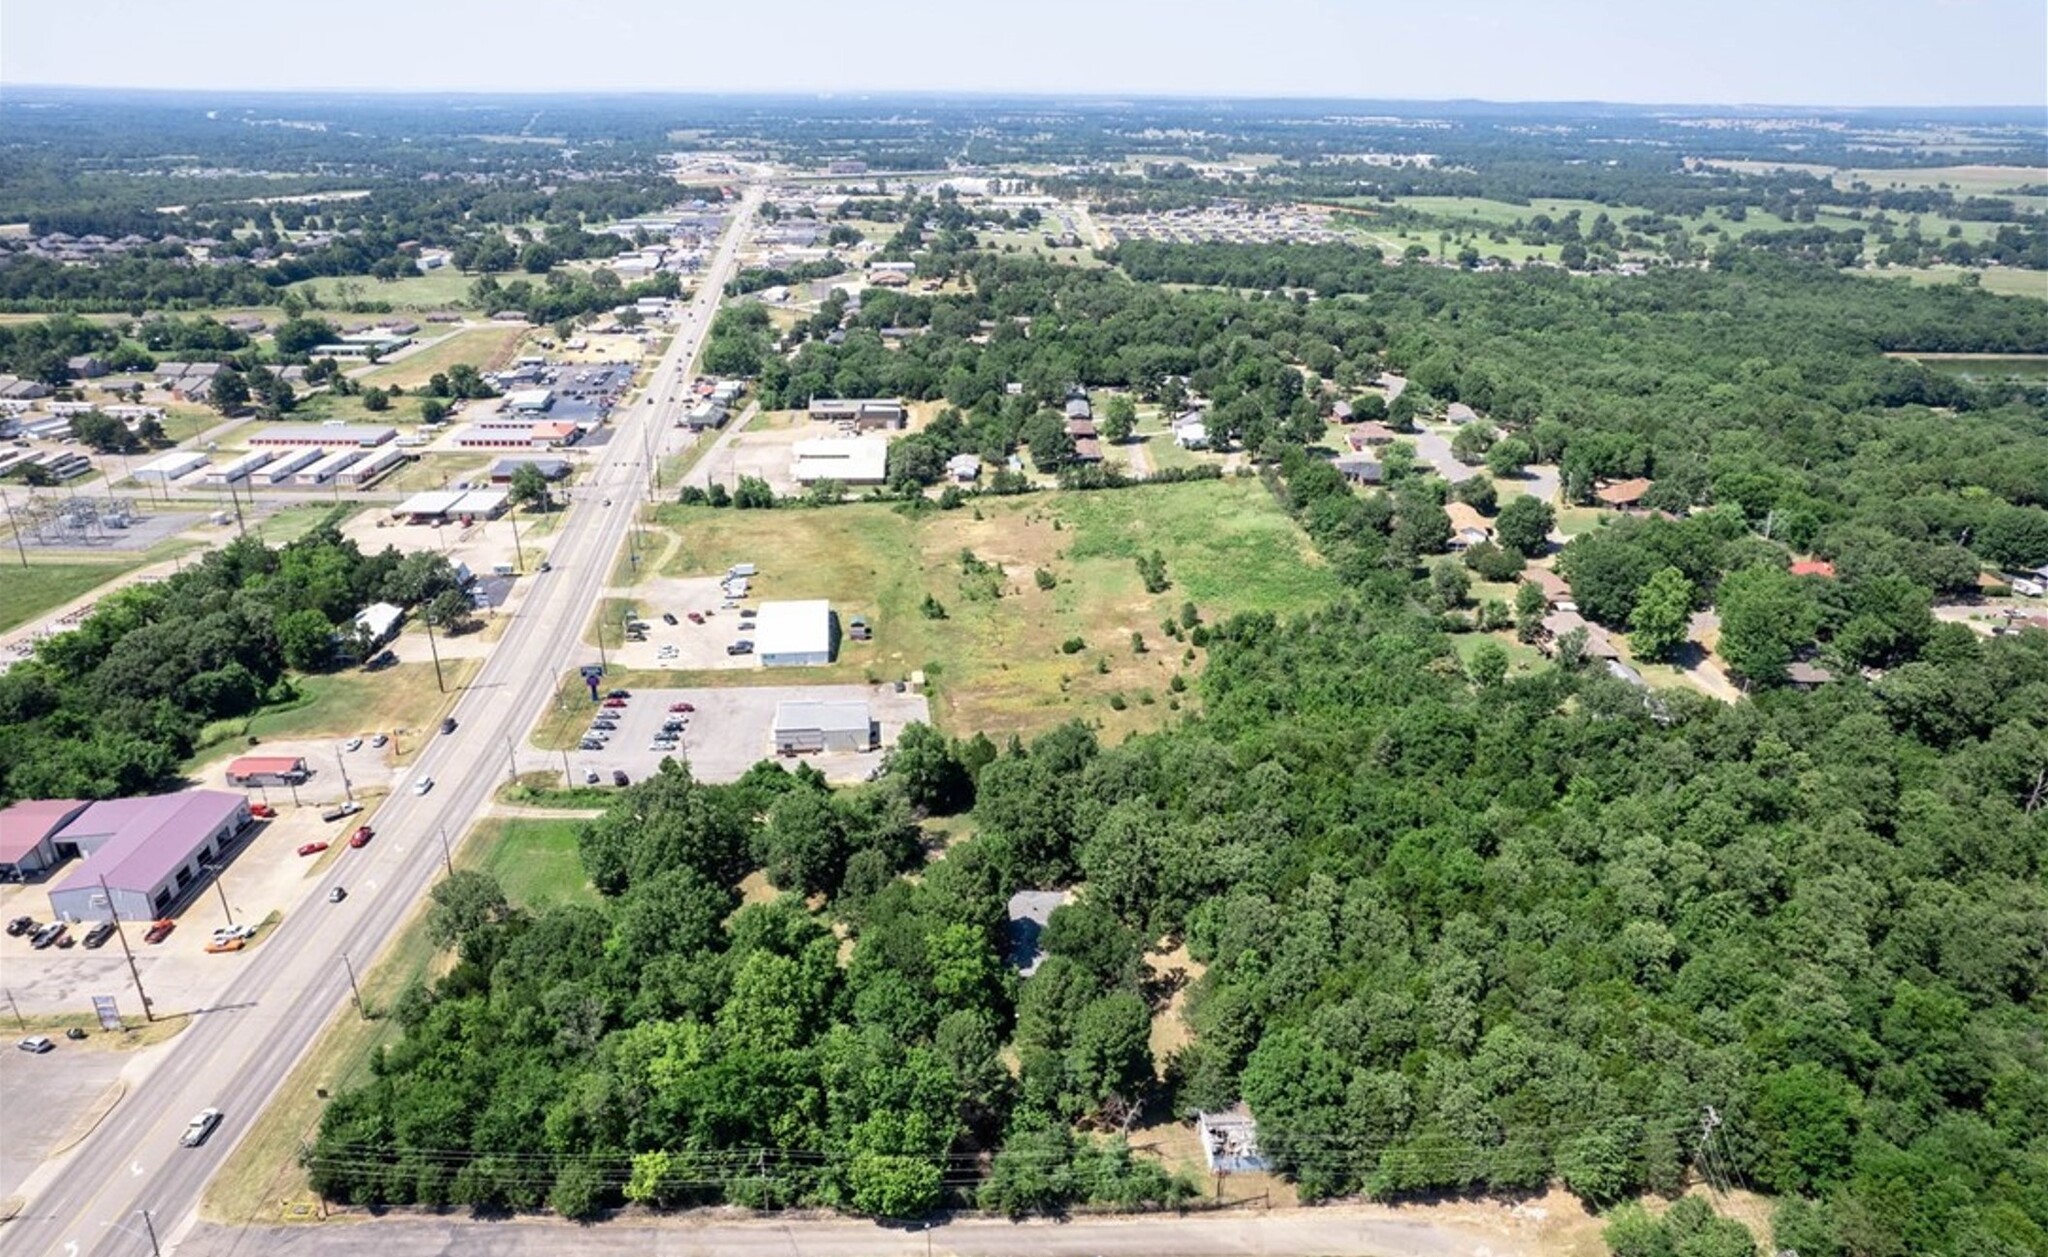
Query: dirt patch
[(1170, 974)]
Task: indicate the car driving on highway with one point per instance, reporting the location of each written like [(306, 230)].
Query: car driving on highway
[(199, 1128)]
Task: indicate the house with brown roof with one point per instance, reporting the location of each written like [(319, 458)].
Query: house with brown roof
[(1560, 624), (1557, 591), (1372, 432), (1623, 495)]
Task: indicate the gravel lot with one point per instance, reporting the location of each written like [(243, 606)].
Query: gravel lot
[(731, 730)]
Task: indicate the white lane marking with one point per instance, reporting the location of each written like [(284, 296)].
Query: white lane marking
[(136, 1169), (71, 1246)]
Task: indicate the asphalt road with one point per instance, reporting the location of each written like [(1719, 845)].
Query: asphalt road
[(1335, 1232), (237, 1053)]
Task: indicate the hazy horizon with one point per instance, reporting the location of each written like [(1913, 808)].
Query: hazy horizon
[(1881, 54)]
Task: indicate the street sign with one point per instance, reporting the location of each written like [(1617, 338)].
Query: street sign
[(109, 1015)]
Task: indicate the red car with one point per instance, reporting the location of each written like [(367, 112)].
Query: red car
[(263, 811), (362, 836), (682, 706), (313, 848), (160, 931), (615, 702), (696, 617)]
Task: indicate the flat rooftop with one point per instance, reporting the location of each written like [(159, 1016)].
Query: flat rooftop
[(794, 628)]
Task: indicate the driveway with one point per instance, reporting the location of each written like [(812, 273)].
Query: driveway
[(1434, 446)]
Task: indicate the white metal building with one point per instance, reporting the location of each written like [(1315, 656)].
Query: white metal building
[(848, 460), (794, 634), (171, 466), (281, 470), (325, 470), (237, 469), (803, 726)]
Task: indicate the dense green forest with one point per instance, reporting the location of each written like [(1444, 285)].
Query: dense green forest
[(113, 707), (1458, 936)]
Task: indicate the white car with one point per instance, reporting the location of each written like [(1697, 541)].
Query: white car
[(379, 740), (228, 932), (423, 785), (353, 744), (199, 1128)]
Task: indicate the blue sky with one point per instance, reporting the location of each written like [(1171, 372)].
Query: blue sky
[(1824, 52)]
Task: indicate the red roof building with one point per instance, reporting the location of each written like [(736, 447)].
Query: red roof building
[(1813, 567)]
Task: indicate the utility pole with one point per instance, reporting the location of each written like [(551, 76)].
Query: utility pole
[(511, 763), (148, 1013), (435, 651), (222, 886), (341, 761), (15, 1008), (355, 992), (14, 528), (518, 554), (447, 859), (150, 1227)]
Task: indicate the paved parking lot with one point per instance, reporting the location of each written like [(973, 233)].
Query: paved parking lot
[(264, 875), (694, 646), (732, 730), (44, 1097)]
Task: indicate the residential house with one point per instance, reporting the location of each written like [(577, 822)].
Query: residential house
[(1460, 413), (1371, 433), (964, 468), (1560, 624), (85, 367), (1802, 674), (1341, 412), (1623, 495), (1359, 470), (1557, 591), (1087, 450)]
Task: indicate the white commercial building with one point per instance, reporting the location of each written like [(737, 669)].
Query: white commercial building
[(794, 634), (326, 469), (848, 460), (237, 469), (371, 466), (281, 470), (171, 466), (803, 726)]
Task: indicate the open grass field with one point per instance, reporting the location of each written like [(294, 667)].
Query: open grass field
[(995, 660), (2002, 280), (484, 348), (446, 288), (29, 592), (534, 859), (400, 699)]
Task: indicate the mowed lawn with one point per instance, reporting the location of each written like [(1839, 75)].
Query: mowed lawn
[(995, 660), (484, 348), (534, 859), (444, 288), (28, 592)]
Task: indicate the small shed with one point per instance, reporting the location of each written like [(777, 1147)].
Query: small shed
[(267, 770)]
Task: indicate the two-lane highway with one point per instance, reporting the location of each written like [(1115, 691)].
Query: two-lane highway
[(236, 1055)]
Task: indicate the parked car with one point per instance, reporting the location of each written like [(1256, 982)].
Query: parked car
[(48, 935), (423, 785), (619, 777), (668, 618), (696, 617), (362, 836), (19, 926), (235, 931), (337, 894), (379, 740), (615, 702), (353, 744), (747, 614), (545, 566), (313, 848), (590, 776), (606, 725), (263, 811), (682, 706), (98, 935), (159, 931), (340, 810), (447, 724), (219, 945), (36, 1043), (618, 693), (740, 647), (199, 1128), (590, 744)]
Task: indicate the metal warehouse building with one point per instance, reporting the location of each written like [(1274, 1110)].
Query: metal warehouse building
[(147, 851), (794, 634), (28, 832), (802, 726)]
